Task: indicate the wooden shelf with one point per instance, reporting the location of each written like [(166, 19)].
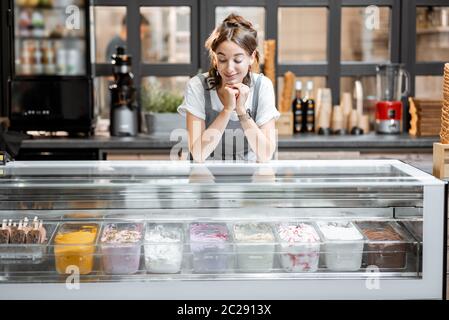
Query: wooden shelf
[(70, 38), (432, 30), (46, 8)]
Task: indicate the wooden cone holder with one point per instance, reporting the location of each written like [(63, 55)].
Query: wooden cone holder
[(284, 124), (441, 149), (440, 160)]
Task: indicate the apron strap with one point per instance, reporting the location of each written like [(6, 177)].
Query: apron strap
[(207, 99), (208, 106), (256, 97)]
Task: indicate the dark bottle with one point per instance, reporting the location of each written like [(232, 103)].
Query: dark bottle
[(297, 109), (309, 107)]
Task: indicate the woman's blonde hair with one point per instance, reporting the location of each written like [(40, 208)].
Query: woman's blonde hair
[(237, 29)]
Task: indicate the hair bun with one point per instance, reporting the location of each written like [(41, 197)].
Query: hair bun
[(231, 24), (235, 21)]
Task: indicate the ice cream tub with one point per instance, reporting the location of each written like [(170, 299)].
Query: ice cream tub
[(163, 247), (25, 241), (210, 247), (387, 244), (298, 246), (120, 246), (74, 247), (255, 247), (415, 227), (343, 245)]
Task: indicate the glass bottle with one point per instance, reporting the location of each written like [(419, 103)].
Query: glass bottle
[(297, 109), (309, 107), (38, 66)]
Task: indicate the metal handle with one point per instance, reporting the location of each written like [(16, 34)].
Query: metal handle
[(358, 95), (407, 83)]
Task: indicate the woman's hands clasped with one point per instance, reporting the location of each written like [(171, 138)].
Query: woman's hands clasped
[(229, 96), (241, 93)]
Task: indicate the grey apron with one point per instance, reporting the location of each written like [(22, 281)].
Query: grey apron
[(233, 144)]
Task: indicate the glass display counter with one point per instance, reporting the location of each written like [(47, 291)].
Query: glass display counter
[(181, 230)]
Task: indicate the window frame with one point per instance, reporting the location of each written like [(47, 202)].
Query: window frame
[(423, 68), (334, 68), (139, 68), (202, 22)]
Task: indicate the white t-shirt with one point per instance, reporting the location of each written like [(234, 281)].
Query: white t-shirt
[(195, 104)]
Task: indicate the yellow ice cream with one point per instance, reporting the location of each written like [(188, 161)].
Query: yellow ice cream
[(75, 248)]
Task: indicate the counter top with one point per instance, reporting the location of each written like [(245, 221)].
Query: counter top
[(307, 141)]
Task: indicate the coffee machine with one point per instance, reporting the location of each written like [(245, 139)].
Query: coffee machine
[(124, 111), (390, 78)]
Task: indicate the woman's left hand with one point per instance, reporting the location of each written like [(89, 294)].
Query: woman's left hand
[(242, 97)]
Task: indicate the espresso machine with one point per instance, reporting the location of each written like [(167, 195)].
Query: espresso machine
[(124, 111), (390, 81)]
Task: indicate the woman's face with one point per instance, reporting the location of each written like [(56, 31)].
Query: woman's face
[(232, 62)]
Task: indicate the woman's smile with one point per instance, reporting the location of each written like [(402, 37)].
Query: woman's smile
[(231, 78)]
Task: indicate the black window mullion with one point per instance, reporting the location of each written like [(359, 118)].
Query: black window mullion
[(167, 70), (429, 69), (304, 69), (408, 41), (133, 47), (408, 51), (271, 21), (359, 3), (271, 32), (395, 32), (209, 26), (334, 49), (237, 3), (110, 3), (166, 3), (194, 37), (303, 3), (205, 16), (4, 58), (354, 69), (436, 3)]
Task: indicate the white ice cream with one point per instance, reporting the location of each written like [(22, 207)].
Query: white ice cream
[(163, 248), (338, 231)]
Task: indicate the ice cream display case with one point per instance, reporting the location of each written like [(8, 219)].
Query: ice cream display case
[(372, 229)]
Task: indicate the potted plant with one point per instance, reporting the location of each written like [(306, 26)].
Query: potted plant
[(160, 109)]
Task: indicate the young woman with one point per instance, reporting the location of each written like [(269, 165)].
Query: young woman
[(230, 110)]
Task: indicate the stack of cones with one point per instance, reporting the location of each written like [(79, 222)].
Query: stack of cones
[(287, 92), (269, 65), (444, 133), (284, 125), (425, 117), (441, 150)]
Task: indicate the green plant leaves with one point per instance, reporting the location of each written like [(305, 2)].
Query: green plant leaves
[(156, 99)]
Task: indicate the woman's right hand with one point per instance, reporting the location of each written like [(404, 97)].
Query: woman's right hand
[(230, 98)]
